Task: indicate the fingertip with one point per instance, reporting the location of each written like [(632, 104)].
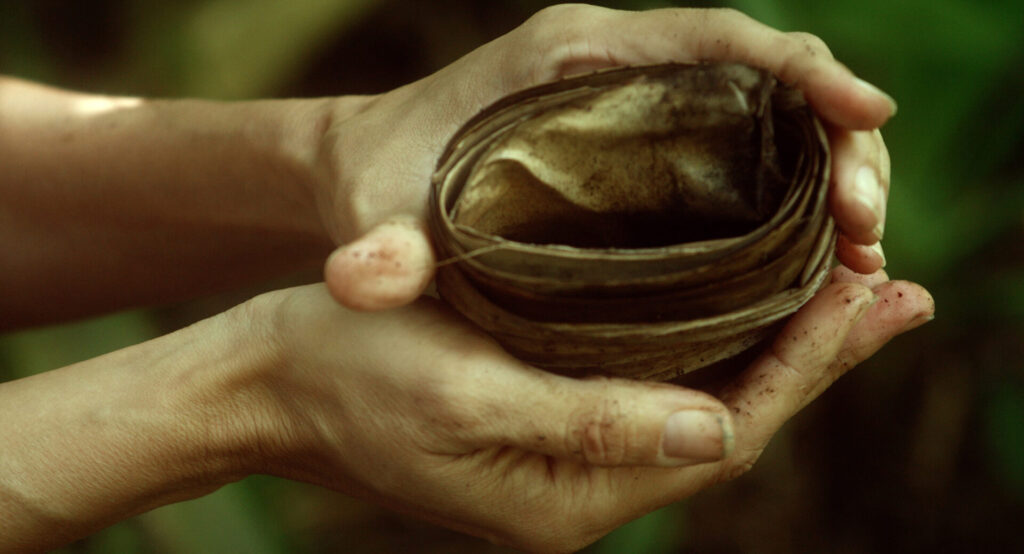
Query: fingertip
[(388, 267), (884, 105), (902, 306), (333, 276)]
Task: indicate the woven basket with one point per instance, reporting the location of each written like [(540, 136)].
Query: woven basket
[(640, 222)]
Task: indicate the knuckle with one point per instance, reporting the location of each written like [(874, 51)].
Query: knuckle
[(549, 35), (793, 67), (600, 434), (789, 364), (802, 57), (552, 18), (563, 38), (811, 43)]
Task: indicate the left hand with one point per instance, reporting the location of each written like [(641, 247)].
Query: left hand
[(421, 412), (374, 167)]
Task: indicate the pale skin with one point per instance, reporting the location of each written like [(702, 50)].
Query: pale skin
[(107, 203)]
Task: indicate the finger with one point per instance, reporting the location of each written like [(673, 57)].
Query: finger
[(860, 184), (860, 258), (784, 378), (812, 352), (389, 266), (824, 340), (728, 35), (843, 274), (901, 307), (608, 422)]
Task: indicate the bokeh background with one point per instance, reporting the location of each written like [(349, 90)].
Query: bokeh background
[(920, 449)]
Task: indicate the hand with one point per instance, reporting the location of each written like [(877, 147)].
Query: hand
[(417, 410), (375, 167)]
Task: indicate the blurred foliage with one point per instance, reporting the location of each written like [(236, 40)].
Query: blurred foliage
[(921, 449)]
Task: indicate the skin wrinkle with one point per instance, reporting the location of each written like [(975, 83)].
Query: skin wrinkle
[(603, 435)]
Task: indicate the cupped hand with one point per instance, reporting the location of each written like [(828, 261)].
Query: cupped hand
[(416, 409), (375, 167)]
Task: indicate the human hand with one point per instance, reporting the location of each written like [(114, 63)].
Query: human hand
[(374, 168), (417, 410)]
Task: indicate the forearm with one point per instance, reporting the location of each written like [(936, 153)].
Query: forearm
[(93, 443), (110, 202)]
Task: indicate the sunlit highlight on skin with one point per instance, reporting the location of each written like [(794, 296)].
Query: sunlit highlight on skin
[(96, 105)]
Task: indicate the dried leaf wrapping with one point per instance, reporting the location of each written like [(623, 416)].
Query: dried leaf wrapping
[(641, 222)]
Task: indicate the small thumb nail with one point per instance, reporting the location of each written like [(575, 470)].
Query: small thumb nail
[(877, 249), (696, 435)]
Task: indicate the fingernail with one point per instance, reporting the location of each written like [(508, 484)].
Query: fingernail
[(697, 435), (875, 90), (879, 230), (918, 321), (877, 249), (870, 195)]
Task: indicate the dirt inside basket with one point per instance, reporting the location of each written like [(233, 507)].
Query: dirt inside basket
[(649, 163)]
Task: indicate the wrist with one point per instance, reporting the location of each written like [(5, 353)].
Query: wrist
[(96, 442), (253, 417), (235, 410), (193, 396), (288, 396)]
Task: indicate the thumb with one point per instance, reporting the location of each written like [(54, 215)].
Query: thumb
[(387, 267), (611, 422)]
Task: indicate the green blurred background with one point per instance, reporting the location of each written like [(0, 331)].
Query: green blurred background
[(920, 449)]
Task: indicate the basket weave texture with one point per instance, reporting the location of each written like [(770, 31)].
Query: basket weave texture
[(641, 222)]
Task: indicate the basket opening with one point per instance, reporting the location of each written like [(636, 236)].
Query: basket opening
[(638, 166)]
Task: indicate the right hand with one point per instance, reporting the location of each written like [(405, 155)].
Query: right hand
[(375, 166)]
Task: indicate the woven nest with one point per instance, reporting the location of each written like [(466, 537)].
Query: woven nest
[(640, 222)]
